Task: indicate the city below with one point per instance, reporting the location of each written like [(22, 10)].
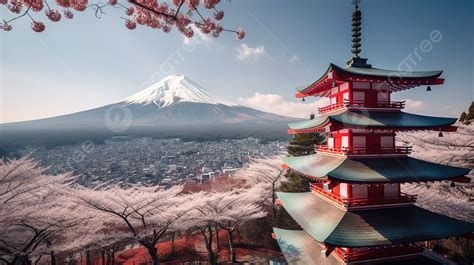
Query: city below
[(167, 162)]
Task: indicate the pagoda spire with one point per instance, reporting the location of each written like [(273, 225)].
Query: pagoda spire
[(356, 29), (357, 61)]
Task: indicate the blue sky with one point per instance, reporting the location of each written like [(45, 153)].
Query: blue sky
[(86, 62)]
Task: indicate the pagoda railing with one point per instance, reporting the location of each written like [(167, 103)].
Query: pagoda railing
[(318, 188), (379, 252), (398, 150), (362, 104)]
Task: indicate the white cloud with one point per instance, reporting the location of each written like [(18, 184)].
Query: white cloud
[(414, 105), (294, 59), (277, 104), (245, 52)]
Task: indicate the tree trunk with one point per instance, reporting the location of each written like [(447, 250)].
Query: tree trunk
[(233, 258), (153, 255), (24, 260), (273, 203), (88, 257), (102, 253), (208, 240), (112, 260), (173, 245), (217, 238), (53, 258)]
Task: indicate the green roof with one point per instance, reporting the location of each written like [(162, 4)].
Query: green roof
[(299, 248), (332, 225), (374, 119), (375, 72), (363, 170)]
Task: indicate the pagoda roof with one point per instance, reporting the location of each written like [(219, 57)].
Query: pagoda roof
[(374, 170), (397, 80), (371, 119), (299, 248), (329, 224)]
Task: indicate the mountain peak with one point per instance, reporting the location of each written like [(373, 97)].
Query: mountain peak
[(173, 89)]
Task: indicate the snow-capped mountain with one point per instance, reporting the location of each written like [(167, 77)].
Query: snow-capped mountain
[(176, 106), (174, 89)]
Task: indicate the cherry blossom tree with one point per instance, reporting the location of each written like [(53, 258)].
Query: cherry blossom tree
[(267, 173), (141, 214), (453, 148), (184, 15), (33, 216), (226, 210), (238, 208)]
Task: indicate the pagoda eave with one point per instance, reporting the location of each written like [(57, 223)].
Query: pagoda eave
[(373, 120), (398, 80), (329, 224), (372, 170)]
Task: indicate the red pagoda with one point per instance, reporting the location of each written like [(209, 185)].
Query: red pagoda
[(356, 212)]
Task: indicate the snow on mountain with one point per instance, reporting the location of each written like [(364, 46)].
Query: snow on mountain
[(174, 89)]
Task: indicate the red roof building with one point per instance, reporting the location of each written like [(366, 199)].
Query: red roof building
[(356, 212)]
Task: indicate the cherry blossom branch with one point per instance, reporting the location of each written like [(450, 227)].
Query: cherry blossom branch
[(22, 15), (98, 8)]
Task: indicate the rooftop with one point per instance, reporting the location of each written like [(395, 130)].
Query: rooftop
[(364, 170), (366, 119), (329, 224)]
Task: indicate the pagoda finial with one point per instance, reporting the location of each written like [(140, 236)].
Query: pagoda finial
[(356, 61), (356, 23)]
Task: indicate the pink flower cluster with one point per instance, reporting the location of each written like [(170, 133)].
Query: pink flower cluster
[(6, 27), (36, 5), (53, 15), (240, 33), (130, 24), (156, 14), (37, 26), (68, 14)]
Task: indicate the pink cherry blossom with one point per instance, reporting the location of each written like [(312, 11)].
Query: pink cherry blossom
[(53, 15), (240, 33), (130, 24), (15, 6), (156, 14), (192, 4), (166, 28), (79, 5), (35, 5), (210, 3), (188, 33), (64, 3), (38, 26), (6, 27), (130, 11), (68, 14), (219, 15)]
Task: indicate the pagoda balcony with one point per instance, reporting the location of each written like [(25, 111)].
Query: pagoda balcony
[(318, 189), (396, 150), (362, 104), (378, 252)]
